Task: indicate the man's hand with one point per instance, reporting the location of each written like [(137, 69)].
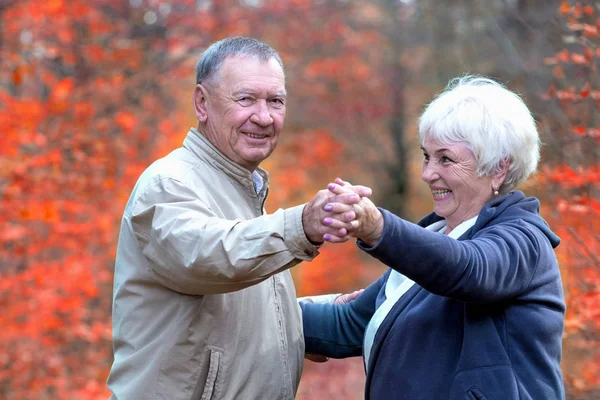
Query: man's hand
[(368, 222), (348, 297), (316, 357), (316, 218)]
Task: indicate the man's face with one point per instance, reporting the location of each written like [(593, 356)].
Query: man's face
[(241, 110)]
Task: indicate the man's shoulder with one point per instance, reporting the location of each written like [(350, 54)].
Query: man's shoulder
[(179, 165), (177, 169)]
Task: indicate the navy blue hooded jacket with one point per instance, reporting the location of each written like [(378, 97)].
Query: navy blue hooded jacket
[(484, 320)]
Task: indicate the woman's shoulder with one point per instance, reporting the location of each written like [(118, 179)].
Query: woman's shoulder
[(514, 211)]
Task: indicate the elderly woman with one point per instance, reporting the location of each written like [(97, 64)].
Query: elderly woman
[(472, 305)]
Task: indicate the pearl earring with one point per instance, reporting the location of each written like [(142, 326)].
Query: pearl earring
[(496, 193)]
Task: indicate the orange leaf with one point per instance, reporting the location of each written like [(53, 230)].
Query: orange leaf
[(577, 10), (558, 72), (17, 75), (12, 232), (66, 36), (60, 95), (563, 56), (96, 53), (564, 8), (578, 58), (126, 121), (50, 213), (590, 30), (83, 110)]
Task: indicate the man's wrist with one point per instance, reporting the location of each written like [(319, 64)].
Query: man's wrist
[(316, 244), (312, 239)]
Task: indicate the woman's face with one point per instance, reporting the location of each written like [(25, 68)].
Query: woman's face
[(451, 173)]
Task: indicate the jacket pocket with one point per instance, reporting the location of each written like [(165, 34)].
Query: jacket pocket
[(485, 383), (475, 394), (208, 382), (213, 374)]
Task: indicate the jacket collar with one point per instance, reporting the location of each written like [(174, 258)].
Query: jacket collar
[(197, 143)]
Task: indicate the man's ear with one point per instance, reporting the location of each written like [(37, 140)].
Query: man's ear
[(200, 103)]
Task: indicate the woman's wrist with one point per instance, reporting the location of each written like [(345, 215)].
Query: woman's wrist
[(374, 236)]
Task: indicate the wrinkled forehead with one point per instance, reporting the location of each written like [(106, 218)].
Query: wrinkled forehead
[(432, 145), (442, 135), (435, 142), (252, 76), (250, 65)]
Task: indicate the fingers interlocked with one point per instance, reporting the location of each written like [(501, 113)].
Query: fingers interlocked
[(344, 212)]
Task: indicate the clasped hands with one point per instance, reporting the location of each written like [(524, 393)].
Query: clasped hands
[(340, 212)]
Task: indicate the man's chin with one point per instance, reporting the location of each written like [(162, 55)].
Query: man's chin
[(257, 157)]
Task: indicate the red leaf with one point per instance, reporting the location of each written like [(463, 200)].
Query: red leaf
[(585, 90)]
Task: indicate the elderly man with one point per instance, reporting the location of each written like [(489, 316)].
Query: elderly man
[(204, 306)]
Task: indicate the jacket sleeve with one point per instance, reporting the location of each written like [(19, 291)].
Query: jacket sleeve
[(190, 250), (335, 330), (497, 264)]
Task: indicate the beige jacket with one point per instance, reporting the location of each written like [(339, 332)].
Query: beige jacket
[(204, 306)]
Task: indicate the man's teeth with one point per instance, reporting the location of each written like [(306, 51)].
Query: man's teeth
[(252, 135)]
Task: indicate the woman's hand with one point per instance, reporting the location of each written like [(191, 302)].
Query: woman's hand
[(315, 212), (366, 221)]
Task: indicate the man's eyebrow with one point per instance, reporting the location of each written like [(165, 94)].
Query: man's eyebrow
[(280, 93), (243, 91)]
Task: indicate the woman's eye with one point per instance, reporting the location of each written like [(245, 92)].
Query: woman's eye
[(445, 159)]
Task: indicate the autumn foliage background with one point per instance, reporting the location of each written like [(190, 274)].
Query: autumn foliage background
[(91, 92)]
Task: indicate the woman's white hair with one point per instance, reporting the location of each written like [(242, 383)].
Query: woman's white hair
[(493, 121)]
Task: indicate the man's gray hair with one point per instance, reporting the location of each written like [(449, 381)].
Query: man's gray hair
[(236, 46), (493, 121)]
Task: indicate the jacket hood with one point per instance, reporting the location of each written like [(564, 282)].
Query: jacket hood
[(514, 205)]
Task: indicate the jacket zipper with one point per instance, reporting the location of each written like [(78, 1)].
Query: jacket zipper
[(262, 206)]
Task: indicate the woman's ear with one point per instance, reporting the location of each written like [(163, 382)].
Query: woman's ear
[(200, 103), (500, 176)]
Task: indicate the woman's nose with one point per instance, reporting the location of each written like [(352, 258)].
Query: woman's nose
[(428, 173)]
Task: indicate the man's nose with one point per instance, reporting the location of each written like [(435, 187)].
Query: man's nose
[(262, 115)]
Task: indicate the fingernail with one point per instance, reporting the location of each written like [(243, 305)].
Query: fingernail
[(328, 207), (326, 237), (327, 221), (331, 186)]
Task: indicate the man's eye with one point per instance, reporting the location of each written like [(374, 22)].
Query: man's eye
[(277, 102), (245, 100)]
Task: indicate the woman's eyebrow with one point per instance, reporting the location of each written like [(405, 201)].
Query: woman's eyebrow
[(442, 150)]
